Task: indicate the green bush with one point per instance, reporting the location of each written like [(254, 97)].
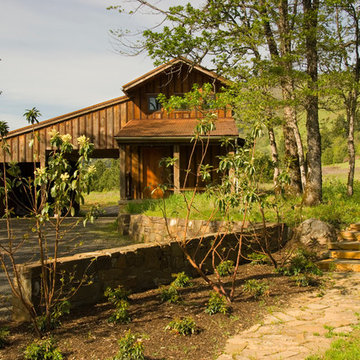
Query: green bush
[(256, 288), (107, 175), (225, 268), (60, 309), (121, 314), (217, 304), (301, 263), (4, 333), (258, 259), (181, 280), (116, 295), (130, 348), (43, 350), (304, 280), (264, 167), (185, 326), (169, 294)]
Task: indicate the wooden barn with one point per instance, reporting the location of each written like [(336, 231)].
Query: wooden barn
[(137, 130)]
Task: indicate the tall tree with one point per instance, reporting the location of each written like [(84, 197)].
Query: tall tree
[(343, 69), (240, 34), (313, 190)]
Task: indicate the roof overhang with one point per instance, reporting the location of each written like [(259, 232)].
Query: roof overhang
[(162, 68)]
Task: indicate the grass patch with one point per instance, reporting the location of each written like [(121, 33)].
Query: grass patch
[(342, 349), (103, 198)]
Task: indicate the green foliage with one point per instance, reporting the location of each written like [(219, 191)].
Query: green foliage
[(169, 294), (121, 313), (301, 263), (130, 348), (116, 295), (59, 310), (258, 258), (225, 268), (119, 298), (264, 167), (43, 350), (341, 349), (185, 326), (181, 280), (4, 333), (106, 176), (256, 288), (306, 279), (217, 304)]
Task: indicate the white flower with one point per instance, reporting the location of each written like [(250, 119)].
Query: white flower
[(40, 171), (91, 169), (64, 177), (66, 138), (53, 133), (82, 140)]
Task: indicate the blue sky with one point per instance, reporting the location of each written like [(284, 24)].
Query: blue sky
[(57, 55)]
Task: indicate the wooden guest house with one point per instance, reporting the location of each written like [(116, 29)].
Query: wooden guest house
[(137, 130)]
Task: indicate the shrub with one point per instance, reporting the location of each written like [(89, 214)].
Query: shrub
[(130, 348), (185, 326), (59, 310), (304, 280), (116, 295), (121, 313), (217, 304), (225, 268), (169, 294), (43, 350), (256, 288), (181, 280), (301, 263), (258, 258), (4, 333)]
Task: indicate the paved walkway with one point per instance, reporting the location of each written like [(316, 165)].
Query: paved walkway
[(299, 330)]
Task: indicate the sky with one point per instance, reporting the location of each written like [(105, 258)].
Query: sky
[(58, 56)]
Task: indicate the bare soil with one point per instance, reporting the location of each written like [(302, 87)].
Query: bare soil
[(86, 334)]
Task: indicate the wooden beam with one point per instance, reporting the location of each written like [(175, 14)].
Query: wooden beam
[(122, 154), (176, 169)]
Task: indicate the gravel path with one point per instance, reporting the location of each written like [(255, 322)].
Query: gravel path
[(299, 330)]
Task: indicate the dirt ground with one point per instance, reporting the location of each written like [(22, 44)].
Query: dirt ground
[(86, 333)]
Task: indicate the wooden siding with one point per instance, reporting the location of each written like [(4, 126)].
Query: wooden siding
[(100, 126)]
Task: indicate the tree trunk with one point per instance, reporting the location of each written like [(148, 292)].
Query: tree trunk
[(313, 190), (351, 148), (274, 155)]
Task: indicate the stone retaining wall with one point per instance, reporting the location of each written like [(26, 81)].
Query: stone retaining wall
[(137, 267), (142, 228)]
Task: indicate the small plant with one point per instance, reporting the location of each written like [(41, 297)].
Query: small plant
[(304, 280), (4, 333), (258, 259), (256, 288), (301, 263), (43, 350), (185, 326), (225, 268), (116, 295), (130, 348), (181, 280), (121, 313), (59, 310), (169, 294), (217, 304)]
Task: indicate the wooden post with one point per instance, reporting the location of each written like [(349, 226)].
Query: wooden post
[(232, 175), (122, 154), (176, 169)]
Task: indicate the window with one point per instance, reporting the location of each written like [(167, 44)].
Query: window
[(153, 103)]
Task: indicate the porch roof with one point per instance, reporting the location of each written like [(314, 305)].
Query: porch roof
[(172, 130)]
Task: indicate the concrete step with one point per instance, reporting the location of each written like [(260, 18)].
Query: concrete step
[(355, 227), (344, 245), (345, 254), (350, 235), (339, 264)]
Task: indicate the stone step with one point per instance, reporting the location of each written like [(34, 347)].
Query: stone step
[(350, 235), (345, 254), (339, 264), (344, 245), (355, 227)]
